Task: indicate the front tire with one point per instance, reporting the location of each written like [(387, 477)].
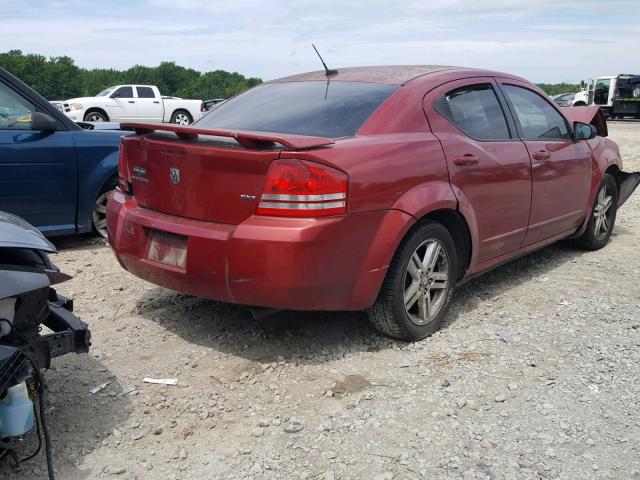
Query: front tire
[(636, 91), (181, 117), (419, 285), (99, 213), (602, 217), (95, 116)]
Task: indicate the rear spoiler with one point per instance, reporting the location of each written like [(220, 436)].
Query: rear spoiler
[(246, 139), (590, 115)]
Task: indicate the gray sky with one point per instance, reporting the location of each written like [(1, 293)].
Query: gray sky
[(542, 40)]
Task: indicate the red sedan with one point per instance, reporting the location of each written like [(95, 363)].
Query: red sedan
[(377, 188)]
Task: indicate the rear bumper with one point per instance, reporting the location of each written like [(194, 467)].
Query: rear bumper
[(333, 263)]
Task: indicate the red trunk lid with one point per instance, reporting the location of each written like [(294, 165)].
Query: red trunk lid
[(196, 179), (192, 174)]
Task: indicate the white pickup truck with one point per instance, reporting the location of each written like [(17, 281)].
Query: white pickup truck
[(132, 103)]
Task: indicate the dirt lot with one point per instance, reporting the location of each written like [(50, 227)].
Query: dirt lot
[(536, 375)]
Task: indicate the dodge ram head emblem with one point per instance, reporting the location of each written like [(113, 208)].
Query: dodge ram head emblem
[(174, 175)]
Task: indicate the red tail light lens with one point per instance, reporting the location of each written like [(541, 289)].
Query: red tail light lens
[(297, 188), (202, 106)]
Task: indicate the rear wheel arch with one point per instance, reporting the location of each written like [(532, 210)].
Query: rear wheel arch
[(458, 227), (181, 111)]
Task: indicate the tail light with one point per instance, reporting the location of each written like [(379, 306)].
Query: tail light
[(297, 188), (202, 106), (124, 182), (125, 187)]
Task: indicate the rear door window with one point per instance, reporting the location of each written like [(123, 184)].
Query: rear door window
[(476, 111), (145, 92), (537, 118), (327, 109)]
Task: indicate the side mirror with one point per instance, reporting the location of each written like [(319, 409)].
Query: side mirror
[(115, 94), (582, 84), (584, 131), (43, 122)]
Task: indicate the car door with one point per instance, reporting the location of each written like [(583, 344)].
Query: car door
[(560, 167), (123, 107), (38, 177), (489, 168), (602, 92), (149, 106)]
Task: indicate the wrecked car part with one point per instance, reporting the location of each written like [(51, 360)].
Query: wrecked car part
[(16, 411), (27, 304)]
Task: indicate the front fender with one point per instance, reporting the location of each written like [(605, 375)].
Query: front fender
[(97, 163), (605, 154)]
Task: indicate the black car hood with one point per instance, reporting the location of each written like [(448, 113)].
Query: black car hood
[(16, 233), (16, 282)]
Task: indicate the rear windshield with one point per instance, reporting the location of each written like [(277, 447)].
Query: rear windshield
[(334, 109)]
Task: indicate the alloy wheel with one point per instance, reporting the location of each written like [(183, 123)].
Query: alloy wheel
[(182, 119), (100, 213), (95, 117), (426, 282), (602, 213)]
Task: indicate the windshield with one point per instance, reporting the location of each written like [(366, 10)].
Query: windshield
[(105, 92), (317, 108)]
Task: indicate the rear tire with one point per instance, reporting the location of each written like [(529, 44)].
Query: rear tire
[(181, 117), (602, 217), (419, 285)]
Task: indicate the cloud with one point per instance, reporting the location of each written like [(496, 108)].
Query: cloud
[(544, 40)]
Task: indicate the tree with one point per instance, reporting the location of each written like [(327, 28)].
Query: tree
[(557, 88), (58, 78)]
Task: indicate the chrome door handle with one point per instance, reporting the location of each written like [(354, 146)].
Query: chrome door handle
[(541, 155), (466, 160)]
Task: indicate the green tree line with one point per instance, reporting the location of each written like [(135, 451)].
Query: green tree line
[(59, 78), (558, 88)]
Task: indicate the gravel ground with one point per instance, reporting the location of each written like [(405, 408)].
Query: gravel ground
[(535, 375)]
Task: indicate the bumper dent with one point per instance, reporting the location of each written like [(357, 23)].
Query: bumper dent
[(331, 263)]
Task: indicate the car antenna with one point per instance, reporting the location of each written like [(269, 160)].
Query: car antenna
[(328, 71)]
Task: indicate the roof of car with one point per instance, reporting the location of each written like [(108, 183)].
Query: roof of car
[(390, 74)]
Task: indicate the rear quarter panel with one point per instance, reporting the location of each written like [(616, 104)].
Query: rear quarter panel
[(402, 174), (191, 106)]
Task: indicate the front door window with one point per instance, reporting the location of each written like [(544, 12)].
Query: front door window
[(15, 111)]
